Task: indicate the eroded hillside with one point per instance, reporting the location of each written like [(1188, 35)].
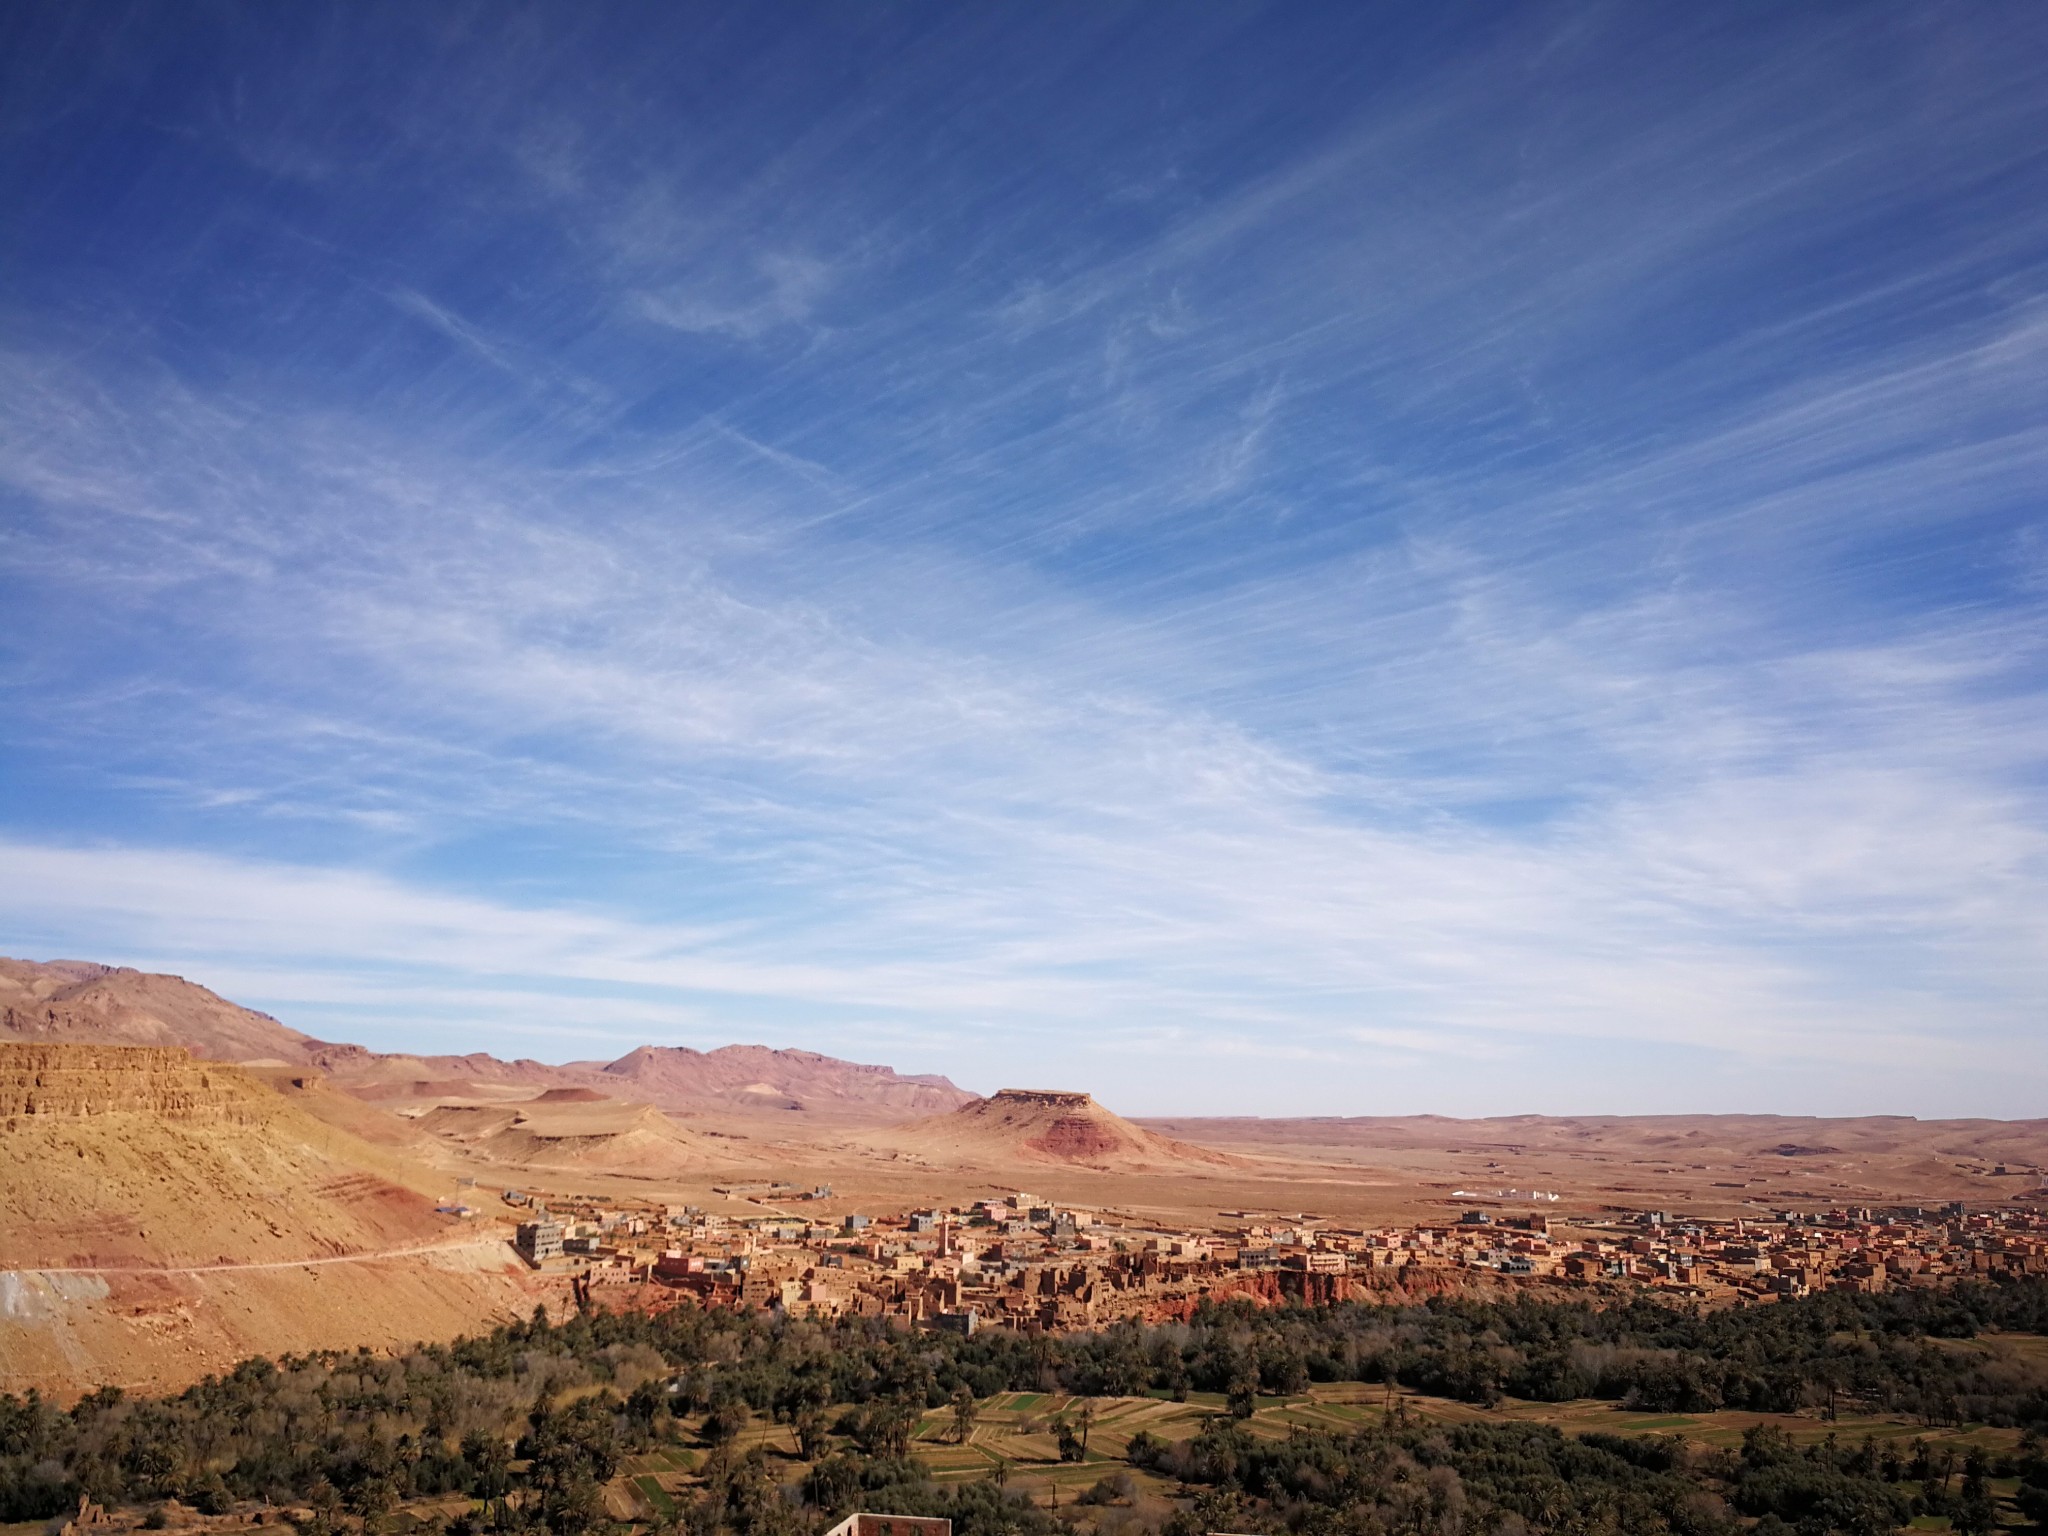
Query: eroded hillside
[(161, 1217), (128, 1155)]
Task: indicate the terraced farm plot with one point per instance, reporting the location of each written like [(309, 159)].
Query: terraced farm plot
[(655, 1494), (1067, 1478), (1339, 1418), (1167, 1420), (1013, 1428), (775, 1439), (1013, 1431), (1722, 1428), (959, 1463), (669, 1459), (1269, 1426)]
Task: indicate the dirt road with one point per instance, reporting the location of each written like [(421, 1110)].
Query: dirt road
[(368, 1257)]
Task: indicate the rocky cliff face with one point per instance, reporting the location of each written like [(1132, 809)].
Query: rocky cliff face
[(1043, 1098), (83, 1081), (159, 1216)]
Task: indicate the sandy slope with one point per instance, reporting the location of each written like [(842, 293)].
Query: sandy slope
[(578, 1134), (68, 1332), (129, 1176), (112, 1154)]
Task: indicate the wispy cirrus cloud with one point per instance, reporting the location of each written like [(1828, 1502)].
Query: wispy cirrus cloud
[(452, 326), (1495, 584), (780, 289)]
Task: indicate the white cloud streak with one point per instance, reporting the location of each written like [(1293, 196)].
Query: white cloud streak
[(1352, 614)]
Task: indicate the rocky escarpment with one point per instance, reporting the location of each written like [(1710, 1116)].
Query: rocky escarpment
[(85, 1081), (161, 1217), (1042, 1098)]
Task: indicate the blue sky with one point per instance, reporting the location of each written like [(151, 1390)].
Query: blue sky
[(1287, 559)]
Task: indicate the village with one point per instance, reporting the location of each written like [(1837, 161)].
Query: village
[(1020, 1262)]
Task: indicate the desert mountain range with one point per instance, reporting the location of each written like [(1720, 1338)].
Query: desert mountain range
[(657, 1111), (738, 1104), (79, 1001)]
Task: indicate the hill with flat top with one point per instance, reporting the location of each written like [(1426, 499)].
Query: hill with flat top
[(754, 1077), (1047, 1127)]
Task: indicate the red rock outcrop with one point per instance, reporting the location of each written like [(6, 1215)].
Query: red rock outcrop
[(1037, 1125)]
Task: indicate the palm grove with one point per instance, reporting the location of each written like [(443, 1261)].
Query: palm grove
[(530, 1421)]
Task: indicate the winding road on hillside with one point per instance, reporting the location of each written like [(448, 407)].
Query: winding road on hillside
[(367, 1257)]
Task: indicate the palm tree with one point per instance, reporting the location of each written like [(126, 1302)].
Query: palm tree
[(1243, 1394), (964, 1410)]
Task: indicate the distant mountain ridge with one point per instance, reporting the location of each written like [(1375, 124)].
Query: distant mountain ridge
[(75, 1001), (79, 1002), (760, 1077)]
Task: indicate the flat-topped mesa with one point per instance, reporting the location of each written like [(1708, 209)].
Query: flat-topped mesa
[(92, 1080), (1047, 1125)]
